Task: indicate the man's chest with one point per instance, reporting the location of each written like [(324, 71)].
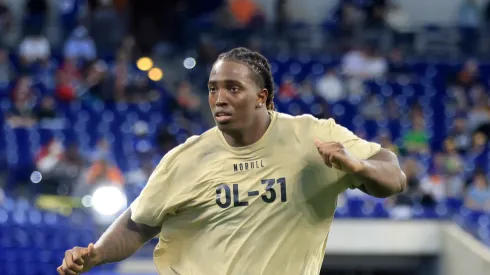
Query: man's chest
[(249, 187)]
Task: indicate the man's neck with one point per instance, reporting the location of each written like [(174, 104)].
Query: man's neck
[(249, 136)]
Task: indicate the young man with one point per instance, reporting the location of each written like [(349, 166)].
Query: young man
[(254, 195)]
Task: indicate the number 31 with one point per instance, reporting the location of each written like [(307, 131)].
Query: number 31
[(272, 192)]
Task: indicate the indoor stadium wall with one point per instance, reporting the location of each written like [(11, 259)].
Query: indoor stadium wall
[(462, 254)]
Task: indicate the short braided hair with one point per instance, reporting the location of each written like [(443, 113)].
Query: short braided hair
[(259, 65)]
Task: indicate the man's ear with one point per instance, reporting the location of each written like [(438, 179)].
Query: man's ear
[(262, 97)]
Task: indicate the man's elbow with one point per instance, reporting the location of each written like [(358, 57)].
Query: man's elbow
[(403, 182), (395, 187)]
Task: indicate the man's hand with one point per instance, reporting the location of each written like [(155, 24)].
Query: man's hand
[(78, 260), (335, 155)]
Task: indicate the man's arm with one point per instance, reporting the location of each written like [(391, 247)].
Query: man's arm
[(122, 239), (363, 164), (380, 175)]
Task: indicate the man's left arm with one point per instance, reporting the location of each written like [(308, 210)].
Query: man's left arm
[(360, 164), (380, 175)]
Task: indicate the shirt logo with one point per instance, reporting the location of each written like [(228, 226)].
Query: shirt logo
[(249, 165)]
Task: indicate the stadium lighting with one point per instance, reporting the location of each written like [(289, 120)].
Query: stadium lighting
[(189, 63), (87, 201), (36, 177), (144, 63), (155, 74), (108, 200)]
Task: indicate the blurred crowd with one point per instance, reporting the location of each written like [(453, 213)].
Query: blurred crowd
[(91, 58)]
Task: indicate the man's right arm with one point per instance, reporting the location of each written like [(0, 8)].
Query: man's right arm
[(122, 239)]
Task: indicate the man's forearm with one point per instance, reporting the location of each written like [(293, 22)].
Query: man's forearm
[(122, 239), (381, 175)]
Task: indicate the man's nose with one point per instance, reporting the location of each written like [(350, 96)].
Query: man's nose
[(221, 98)]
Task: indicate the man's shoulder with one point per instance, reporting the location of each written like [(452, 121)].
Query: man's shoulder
[(192, 146), (301, 121)]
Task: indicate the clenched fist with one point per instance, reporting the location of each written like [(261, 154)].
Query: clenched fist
[(78, 260), (335, 155)]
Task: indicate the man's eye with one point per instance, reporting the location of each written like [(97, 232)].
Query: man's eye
[(212, 89), (234, 89)]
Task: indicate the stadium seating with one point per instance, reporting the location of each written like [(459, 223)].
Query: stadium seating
[(26, 232)]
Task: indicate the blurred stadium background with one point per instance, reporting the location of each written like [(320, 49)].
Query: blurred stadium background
[(94, 92)]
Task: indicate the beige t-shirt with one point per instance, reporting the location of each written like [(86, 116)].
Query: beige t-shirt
[(262, 209)]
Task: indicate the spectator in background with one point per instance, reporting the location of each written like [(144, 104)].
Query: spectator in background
[(129, 84), (468, 77), (478, 195), (102, 171), (392, 109), (385, 140), (68, 78), (6, 68), (433, 186), (245, 12), (47, 115), (121, 74), (305, 92), (36, 16), (106, 28), (282, 16), (6, 21), (46, 111), (207, 52), (2, 197), (330, 88), (80, 45), (73, 165), (44, 74), (479, 117), (140, 175), (48, 162), (287, 89), (469, 23), (476, 157), (165, 141), (398, 20), (97, 84), (453, 168), (459, 134), (24, 100), (139, 89), (74, 159), (141, 141), (372, 109), (375, 13), (102, 150), (186, 98), (397, 66), (60, 168), (487, 15), (404, 201), (364, 63), (416, 140), (128, 47), (350, 20), (34, 48)]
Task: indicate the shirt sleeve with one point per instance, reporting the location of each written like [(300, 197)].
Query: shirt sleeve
[(328, 130), (155, 200)]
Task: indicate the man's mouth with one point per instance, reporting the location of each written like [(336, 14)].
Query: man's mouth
[(222, 117)]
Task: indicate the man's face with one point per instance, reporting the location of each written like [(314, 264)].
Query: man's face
[(233, 96)]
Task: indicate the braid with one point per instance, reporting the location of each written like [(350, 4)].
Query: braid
[(259, 65)]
